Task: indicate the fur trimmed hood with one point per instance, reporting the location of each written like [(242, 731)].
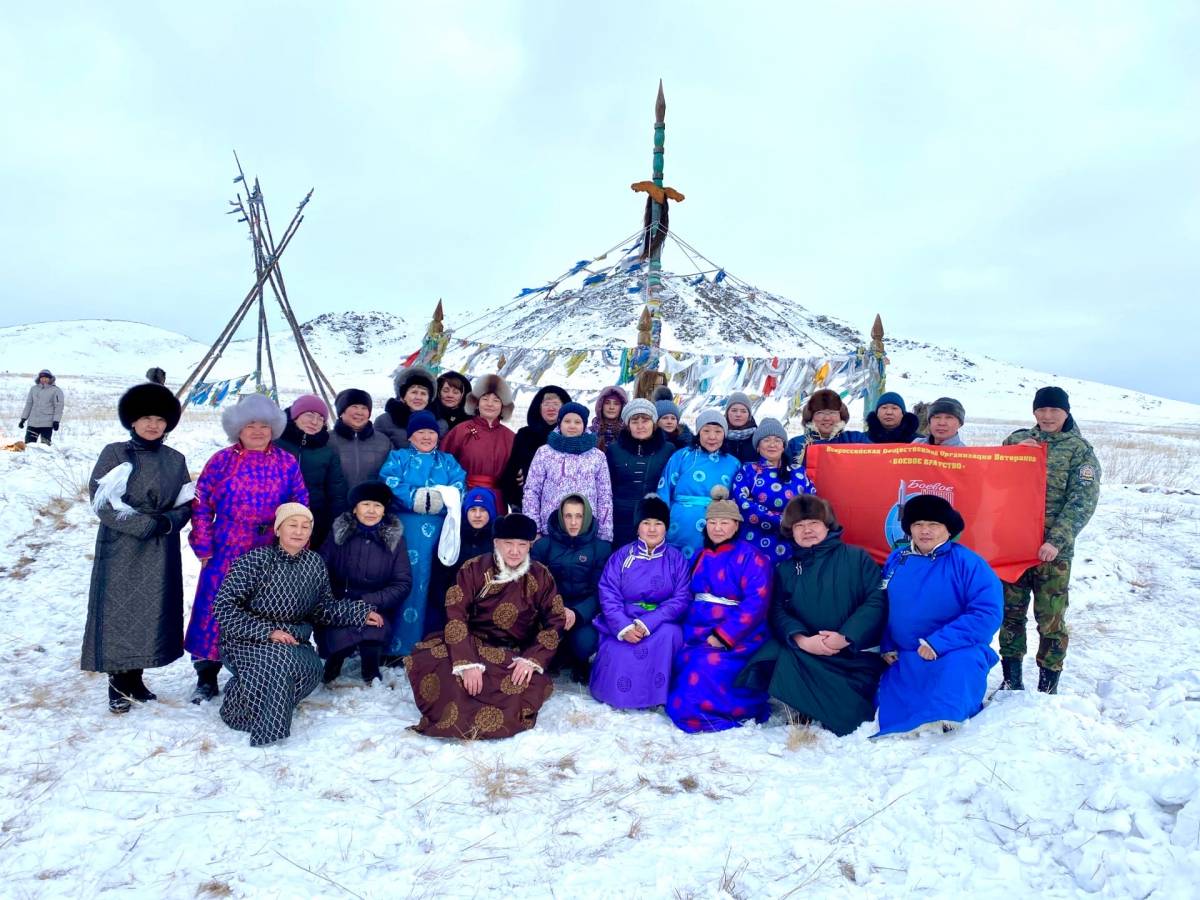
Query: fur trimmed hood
[(403, 379), (253, 408), (390, 530), (490, 384)]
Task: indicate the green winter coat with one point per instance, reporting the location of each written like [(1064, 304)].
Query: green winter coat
[(829, 587), (1072, 482)]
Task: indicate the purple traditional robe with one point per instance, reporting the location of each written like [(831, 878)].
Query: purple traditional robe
[(234, 512), (731, 585), (650, 586)]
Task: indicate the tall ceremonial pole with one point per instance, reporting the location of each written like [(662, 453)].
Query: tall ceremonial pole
[(657, 214)]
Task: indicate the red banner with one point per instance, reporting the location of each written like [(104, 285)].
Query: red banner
[(1000, 492)]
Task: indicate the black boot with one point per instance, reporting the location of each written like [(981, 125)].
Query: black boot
[(333, 668), (368, 653), (137, 688), (1013, 680), (1047, 681), (206, 680), (118, 696)]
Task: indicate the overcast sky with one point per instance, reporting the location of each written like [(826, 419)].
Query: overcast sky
[(1015, 179)]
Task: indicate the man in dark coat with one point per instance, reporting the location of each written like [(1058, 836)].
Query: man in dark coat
[(135, 602), (308, 441), (575, 556), (827, 609), (541, 419), (891, 422)]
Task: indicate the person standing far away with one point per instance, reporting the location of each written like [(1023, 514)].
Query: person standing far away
[(43, 409), (1072, 491)]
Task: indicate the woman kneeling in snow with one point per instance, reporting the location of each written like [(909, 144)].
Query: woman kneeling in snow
[(827, 612), (731, 584), (945, 605), (266, 609), (643, 598), (484, 676)]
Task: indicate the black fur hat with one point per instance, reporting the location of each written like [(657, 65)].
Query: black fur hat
[(653, 506), (352, 397), (931, 508), (373, 490), (515, 527), (148, 399)]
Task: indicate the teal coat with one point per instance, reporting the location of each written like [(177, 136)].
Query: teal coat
[(829, 587)]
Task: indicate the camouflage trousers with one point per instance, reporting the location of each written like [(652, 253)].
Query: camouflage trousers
[(1048, 582)]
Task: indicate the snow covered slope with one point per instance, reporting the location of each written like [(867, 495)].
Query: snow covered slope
[(363, 348)]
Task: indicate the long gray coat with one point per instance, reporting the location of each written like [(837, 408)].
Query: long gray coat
[(44, 405), (135, 605)]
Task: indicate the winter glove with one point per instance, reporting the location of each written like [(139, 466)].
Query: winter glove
[(56, 426), (21, 424), (427, 501), (162, 525)]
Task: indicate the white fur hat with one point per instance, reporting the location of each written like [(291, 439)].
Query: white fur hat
[(252, 408)]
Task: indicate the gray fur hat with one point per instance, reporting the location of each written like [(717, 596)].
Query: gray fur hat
[(950, 407), (252, 408), (768, 428), (711, 417), (636, 406)]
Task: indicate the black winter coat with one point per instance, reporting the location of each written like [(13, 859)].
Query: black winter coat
[(901, 434), (634, 468), (527, 442), (742, 448), (362, 453), (681, 438), (366, 565), (576, 564), (135, 604), (321, 469)]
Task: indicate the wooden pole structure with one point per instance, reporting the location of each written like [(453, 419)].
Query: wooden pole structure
[(657, 216)]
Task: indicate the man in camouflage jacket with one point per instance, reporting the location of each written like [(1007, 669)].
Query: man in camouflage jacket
[(1072, 489)]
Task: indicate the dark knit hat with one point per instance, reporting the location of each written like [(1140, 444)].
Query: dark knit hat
[(768, 428), (148, 399), (807, 506), (515, 527), (948, 406), (1052, 397), (373, 490), (653, 506), (931, 508), (572, 407), (481, 497), (666, 408), (352, 397), (422, 420), (824, 399), (157, 375), (662, 392), (893, 398)]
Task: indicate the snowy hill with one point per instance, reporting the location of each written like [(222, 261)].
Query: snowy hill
[(363, 348)]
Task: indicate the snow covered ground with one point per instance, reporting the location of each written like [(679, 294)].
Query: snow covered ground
[(1095, 790)]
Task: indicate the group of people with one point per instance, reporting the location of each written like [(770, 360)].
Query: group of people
[(693, 570)]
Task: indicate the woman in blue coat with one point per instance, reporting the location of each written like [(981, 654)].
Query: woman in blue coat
[(415, 474), (945, 605), (689, 478)]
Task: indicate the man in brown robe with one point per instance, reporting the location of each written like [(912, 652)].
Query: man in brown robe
[(484, 675)]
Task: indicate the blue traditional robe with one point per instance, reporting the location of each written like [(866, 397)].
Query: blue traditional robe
[(952, 600), (405, 472), (686, 485), (761, 495)]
